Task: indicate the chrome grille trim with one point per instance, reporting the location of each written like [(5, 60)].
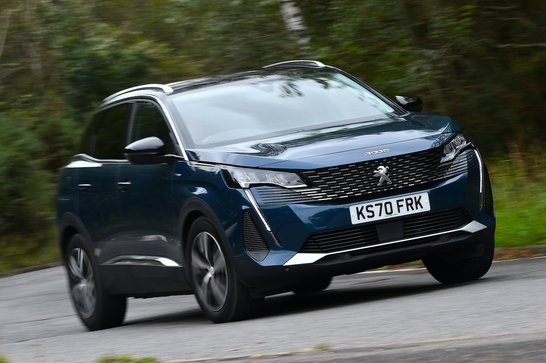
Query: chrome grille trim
[(308, 258)]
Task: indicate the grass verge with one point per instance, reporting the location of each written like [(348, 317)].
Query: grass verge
[(126, 359), (519, 191)]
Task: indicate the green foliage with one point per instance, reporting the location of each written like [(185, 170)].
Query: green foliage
[(479, 62), (3, 359), (26, 194), (126, 359), (26, 188)]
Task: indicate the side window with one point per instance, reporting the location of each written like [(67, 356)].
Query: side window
[(148, 121), (87, 145), (111, 131)]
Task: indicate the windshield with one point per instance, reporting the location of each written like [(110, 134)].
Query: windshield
[(259, 106)]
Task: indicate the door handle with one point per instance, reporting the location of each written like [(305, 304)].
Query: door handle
[(123, 185), (84, 186)]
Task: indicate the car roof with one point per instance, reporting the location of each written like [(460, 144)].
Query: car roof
[(167, 89)]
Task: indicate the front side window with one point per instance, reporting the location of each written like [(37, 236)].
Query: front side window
[(254, 106), (149, 121)]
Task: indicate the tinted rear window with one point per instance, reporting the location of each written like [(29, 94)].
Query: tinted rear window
[(110, 133)]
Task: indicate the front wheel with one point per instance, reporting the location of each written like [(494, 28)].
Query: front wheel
[(220, 294), (94, 306), (464, 267)]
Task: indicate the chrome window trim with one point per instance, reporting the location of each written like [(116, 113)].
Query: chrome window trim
[(142, 260), (170, 120), (308, 258), (76, 164)]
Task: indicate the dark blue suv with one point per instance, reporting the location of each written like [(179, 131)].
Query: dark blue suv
[(240, 186)]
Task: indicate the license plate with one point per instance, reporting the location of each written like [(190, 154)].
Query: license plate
[(389, 208)]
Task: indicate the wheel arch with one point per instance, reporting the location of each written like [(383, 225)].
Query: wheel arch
[(70, 225), (191, 211)]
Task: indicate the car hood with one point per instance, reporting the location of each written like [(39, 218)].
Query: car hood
[(332, 146)]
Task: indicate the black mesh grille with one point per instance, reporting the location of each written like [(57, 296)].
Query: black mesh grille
[(254, 242), (366, 235), (352, 181), (340, 240), (358, 179)]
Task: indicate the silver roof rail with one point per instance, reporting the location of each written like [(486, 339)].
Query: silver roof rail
[(296, 63), (166, 89)]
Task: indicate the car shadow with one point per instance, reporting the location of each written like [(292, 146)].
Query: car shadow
[(336, 297), (192, 316), (356, 290)]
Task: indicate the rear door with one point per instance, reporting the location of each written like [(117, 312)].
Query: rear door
[(97, 174)]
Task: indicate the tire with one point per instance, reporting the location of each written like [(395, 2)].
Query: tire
[(309, 287), (94, 306), (465, 267), (221, 296)]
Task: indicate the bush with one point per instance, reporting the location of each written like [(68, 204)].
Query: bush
[(26, 192)]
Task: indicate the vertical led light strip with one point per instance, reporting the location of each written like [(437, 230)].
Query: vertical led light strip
[(257, 209)]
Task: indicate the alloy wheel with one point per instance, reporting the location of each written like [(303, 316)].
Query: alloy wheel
[(82, 282), (209, 271)]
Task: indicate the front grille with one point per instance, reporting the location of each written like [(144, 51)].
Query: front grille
[(366, 235), (254, 242), (353, 181)]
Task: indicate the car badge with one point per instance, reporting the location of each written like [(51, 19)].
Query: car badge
[(382, 173), (375, 152)]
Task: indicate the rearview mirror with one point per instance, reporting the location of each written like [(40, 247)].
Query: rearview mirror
[(150, 150), (410, 103)]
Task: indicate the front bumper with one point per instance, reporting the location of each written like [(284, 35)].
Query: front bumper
[(288, 229), (275, 279)]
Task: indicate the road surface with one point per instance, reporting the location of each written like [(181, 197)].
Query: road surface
[(370, 317)]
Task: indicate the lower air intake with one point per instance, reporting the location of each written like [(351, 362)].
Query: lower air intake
[(255, 244)]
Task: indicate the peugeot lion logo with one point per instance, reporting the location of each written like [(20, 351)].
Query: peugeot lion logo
[(382, 173)]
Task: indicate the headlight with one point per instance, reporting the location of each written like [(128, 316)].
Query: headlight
[(453, 147), (247, 177)]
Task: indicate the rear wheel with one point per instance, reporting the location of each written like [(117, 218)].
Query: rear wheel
[(220, 294), (316, 285), (468, 266), (94, 306)]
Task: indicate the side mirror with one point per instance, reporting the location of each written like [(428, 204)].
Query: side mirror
[(410, 103), (150, 150)]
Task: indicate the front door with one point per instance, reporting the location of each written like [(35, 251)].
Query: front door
[(147, 214)]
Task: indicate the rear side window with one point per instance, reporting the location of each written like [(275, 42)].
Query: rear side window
[(87, 145), (110, 132)]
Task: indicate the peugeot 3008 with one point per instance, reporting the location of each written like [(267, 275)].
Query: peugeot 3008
[(240, 186)]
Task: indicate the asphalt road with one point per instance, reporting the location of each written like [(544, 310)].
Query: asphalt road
[(370, 317)]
